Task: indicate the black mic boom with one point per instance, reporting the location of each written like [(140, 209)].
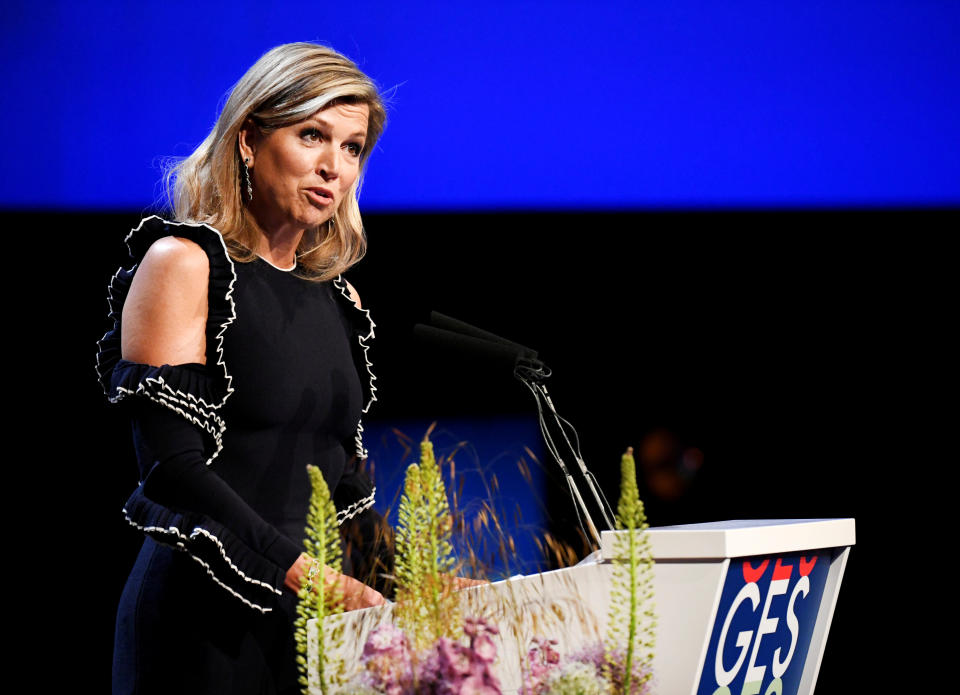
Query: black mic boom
[(458, 335)]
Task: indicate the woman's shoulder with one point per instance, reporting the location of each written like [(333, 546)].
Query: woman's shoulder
[(175, 237), (181, 251), (176, 264), (178, 267)]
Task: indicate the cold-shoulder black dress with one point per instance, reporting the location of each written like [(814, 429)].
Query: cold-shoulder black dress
[(222, 450)]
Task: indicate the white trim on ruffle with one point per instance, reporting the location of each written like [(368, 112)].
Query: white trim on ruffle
[(209, 422), (355, 508), (358, 441), (180, 543), (341, 284), (256, 606), (200, 531), (112, 308)]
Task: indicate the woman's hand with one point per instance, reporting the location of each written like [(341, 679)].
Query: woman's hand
[(355, 594)]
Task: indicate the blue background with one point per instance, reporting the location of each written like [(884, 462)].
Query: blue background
[(512, 105), (487, 454)]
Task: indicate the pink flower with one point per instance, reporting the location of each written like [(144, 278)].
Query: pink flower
[(473, 627), (385, 638), (476, 685), (542, 658), (448, 668), (485, 649), (453, 659)]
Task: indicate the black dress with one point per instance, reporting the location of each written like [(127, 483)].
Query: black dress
[(223, 449)]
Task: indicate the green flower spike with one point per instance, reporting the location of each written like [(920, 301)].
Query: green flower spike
[(635, 628)]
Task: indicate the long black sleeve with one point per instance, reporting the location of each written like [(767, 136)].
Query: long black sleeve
[(170, 451)]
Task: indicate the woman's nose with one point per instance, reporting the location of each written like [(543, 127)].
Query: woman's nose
[(328, 163)]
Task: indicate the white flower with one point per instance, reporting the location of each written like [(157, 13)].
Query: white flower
[(576, 679)]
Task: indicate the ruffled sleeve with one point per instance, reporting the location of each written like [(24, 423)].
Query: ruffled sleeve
[(240, 552), (363, 333), (355, 492), (195, 395), (367, 538), (230, 563)]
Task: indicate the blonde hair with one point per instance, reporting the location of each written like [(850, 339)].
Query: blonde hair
[(286, 85)]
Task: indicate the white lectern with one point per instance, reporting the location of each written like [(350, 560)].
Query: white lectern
[(743, 607)]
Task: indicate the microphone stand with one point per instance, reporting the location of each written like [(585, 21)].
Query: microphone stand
[(532, 376), (531, 372)]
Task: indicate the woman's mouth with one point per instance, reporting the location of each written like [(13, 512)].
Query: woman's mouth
[(321, 196)]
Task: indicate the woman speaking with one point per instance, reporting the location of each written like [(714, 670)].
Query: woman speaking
[(240, 353)]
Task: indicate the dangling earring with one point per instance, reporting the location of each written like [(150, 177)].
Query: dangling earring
[(246, 179)]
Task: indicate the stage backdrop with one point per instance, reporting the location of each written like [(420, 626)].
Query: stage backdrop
[(509, 105)]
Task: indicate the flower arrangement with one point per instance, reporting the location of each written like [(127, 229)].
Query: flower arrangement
[(426, 652)]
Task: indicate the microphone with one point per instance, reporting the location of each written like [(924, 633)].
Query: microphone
[(458, 335), (456, 326), (505, 353), (531, 372)]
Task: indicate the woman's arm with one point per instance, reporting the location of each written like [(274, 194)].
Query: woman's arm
[(165, 313)]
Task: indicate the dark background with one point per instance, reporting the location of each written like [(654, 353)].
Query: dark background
[(796, 351)]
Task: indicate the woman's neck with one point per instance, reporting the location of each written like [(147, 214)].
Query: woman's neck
[(278, 246)]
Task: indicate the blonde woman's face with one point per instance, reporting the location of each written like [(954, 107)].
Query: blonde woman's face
[(302, 172)]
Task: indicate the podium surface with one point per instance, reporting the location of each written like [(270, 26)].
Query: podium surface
[(743, 537)]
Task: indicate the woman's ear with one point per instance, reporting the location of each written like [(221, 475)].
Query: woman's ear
[(247, 140)]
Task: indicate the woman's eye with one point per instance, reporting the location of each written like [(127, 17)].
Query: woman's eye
[(355, 149), (311, 134)]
